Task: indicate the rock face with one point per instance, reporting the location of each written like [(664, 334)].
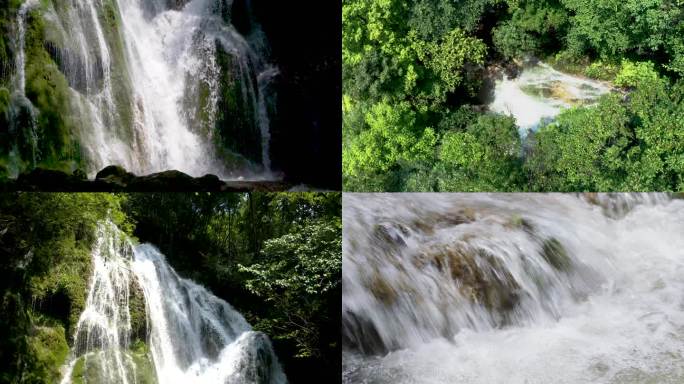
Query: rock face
[(116, 179), (305, 133)]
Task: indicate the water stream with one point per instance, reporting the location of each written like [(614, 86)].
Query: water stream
[(540, 93), (192, 335), (513, 288)]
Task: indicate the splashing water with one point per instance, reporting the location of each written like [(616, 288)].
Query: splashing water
[(197, 337), (130, 66), (540, 93), (513, 288), (193, 336)]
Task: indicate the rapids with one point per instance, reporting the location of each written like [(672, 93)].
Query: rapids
[(513, 288), (540, 93)]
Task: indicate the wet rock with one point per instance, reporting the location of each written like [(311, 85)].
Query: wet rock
[(138, 313), (511, 70), (116, 179), (80, 174), (359, 333), (115, 175), (555, 254), (159, 181), (519, 222), (481, 277), (382, 289), (391, 234), (40, 179)]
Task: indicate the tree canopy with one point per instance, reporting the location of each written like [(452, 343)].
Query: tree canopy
[(413, 116)]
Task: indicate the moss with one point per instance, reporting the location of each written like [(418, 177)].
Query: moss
[(48, 350), (5, 100), (139, 367), (236, 122), (144, 368), (197, 105), (121, 82), (519, 222), (87, 369), (138, 312), (48, 90)]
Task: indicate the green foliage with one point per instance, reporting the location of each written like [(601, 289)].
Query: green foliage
[(301, 267), (632, 74), (485, 157), (582, 150), (389, 141), (602, 71), (410, 70), (46, 241), (271, 255), (615, 146), (535, 26), (48, 349)]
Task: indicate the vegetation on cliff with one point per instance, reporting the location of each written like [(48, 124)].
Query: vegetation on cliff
[(275, 257)]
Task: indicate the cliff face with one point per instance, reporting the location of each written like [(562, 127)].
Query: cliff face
[(305, 39)]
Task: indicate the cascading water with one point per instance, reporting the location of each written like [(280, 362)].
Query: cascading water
[(513, 288), (23, 112), (540, 93), (192, 335), (145, 82), (197, 337)]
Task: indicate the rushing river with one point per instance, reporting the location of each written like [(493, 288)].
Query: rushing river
[(540, 93), (513, 288)]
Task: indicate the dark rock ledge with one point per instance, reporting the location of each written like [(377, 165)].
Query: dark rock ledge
[(117, 179)]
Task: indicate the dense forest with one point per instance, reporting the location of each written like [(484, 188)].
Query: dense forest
[(275, 257), (414, 75)]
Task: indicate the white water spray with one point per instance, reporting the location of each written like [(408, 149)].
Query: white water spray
[(540, 93), (193, 336), (513, 288)]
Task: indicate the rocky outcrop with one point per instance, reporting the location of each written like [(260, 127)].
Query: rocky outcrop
[(117, 179)]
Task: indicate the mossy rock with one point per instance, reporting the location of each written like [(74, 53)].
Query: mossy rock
[(138, 366), (138, 312), (48, 91), (48, 350), (236, 121), (480, 275), (519, 222), (555, 254)]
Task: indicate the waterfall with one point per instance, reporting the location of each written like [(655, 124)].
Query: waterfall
[(540, 93), (23, 112), (264, 79), (513, 288), (192, 336), (145, 83), (197, 337)]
